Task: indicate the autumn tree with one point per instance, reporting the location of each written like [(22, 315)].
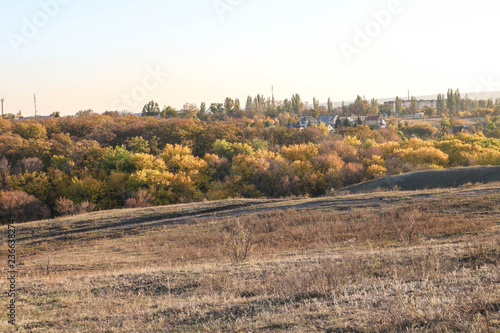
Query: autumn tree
[(138, 145), (360, 107), (21, 207), (189, 111)]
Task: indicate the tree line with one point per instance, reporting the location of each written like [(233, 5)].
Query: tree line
[(69, 165)]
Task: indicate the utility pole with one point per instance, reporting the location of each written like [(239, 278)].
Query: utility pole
[(34, 98), (272, 88), (1, 100)]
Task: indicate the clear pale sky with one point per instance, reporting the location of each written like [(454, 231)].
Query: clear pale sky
[(103, 54)]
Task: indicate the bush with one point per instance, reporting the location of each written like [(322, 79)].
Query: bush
[(235, 240), (65, 207), (141, 199), (21, 207)]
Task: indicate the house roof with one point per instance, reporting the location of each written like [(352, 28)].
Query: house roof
[(327, 118), (308, 119), (372, 118)]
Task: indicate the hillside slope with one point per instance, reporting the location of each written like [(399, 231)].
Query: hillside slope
[(390, 261), (419, 180)]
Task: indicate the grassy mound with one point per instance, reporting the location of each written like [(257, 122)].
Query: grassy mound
[(419, 180)]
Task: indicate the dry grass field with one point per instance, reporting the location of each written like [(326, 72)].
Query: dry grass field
[(387, 261)]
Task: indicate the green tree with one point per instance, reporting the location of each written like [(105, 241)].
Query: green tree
[(287, 106), (338, 122), (249, 104), (169, 112), (229, 106), (202, 113), (451, 103), (413, 106), (458, 101), (217, 109), (259, 103), (428, 111), (297, 104), (374, 108), (441, 104), (399, 106), (151, 109), (117, 159), (330, 106), (315, 104), (237, 104)]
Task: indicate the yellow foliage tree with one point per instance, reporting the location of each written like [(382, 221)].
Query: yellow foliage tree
[(302, 152), (375, 171), (148, 162)]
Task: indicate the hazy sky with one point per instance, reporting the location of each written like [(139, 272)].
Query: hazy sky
[(111, 54)]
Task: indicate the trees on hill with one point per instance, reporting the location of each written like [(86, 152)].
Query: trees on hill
[(67, 165)]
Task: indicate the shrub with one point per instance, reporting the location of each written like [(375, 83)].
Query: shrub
[(66, 207), (141, 199), (235, 240), (21, 207)]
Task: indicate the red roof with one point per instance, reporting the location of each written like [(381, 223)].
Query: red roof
[(372, 118)]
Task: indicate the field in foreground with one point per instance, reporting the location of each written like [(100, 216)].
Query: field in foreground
[(389, 261)]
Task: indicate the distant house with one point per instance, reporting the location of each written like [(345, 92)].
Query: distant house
[(296, 125), (328, 120), (376, 120), (308, 121), (432, 103), (36, 118)]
